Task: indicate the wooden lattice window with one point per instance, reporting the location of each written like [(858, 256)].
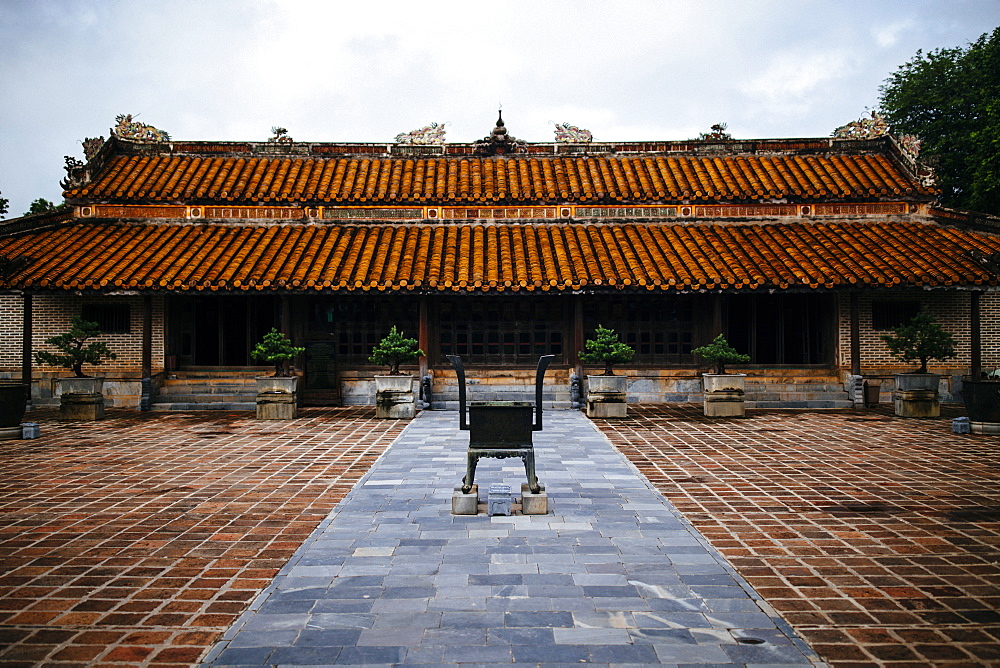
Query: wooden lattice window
[(356, 325), (111, 318), (501, 331), (888, 315), (659, 329)]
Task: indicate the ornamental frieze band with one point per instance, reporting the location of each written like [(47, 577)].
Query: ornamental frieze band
[(458, 213)]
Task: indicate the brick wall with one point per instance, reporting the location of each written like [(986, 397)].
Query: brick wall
[(949, 308), (51, 315)]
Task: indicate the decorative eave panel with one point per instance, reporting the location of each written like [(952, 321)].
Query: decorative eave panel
[(507, 213)]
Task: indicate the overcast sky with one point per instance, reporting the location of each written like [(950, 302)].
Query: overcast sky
[(365, 71)]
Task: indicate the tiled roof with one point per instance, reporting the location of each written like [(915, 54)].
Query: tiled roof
[(826, 176), (493, 257)]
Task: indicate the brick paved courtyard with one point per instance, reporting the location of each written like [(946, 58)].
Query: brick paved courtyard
[(139, 539), (877, 538)]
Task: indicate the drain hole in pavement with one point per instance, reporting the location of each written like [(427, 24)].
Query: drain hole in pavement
[(751, 641)]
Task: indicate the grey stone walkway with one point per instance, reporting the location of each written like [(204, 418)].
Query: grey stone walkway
[(611, 576)]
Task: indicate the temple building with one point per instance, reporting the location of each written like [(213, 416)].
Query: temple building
[(803, 252)]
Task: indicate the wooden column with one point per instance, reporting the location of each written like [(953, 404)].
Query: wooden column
[(424, 336), (285, 316), (146, 396), (717, 315), (578, 334), (26, 345), (855, 336), (975, 340), (147, 336)]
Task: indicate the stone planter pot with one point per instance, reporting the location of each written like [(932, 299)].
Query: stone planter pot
[(277, 397), (916, 395), (394, 397), (81, 398), (982, 402), (13, 402), (607, 396), (724, 394)]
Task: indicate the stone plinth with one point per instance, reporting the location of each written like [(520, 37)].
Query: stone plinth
[(607, 396), (917, 403), (277, 406), (465, 504), (534, 504), (394, 397), (81, 407)]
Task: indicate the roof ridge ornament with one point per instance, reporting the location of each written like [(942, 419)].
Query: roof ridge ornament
[(572, 134), (127, 128), (279, 136), (498, 142), (428, 134)]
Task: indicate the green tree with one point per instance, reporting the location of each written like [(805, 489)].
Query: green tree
[(393, 350), (276, 349), (719, 353), (921, 340), (950, 98), (4, 204), (73, 353), (40, 205), (606, 349)]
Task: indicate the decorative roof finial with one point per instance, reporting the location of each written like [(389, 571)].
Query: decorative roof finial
[(499, 142)]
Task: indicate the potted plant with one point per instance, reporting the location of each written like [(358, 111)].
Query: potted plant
[(920, 340), (607, 393), (277, 398), (81, 396), (724, 392), (394, 393)]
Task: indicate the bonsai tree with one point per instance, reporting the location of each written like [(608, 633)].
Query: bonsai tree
[(719, 353), (74, 351), (921, 340), (606, 349), (276, 349), (394, 350)]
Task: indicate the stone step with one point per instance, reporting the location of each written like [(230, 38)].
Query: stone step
[(781, 396), (813, 404), (200, 406), (794, 387), (173, 390), (241, 397)]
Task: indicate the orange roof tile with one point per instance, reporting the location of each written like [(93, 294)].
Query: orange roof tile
[(511, 179), (165, 256)]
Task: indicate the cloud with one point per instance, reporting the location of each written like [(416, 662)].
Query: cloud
[(346, 71)]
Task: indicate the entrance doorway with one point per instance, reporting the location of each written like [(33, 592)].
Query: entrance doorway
[(218, 331), (782, 329)]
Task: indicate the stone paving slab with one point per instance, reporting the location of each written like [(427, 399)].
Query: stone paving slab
[(613, 575)]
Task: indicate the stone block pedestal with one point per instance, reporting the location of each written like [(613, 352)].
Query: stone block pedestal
[(81, 407), (277, 406), (534, 504), (917, 404), (465, 504)]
